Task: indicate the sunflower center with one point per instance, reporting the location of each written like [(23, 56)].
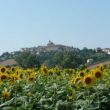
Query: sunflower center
[(21, 76), (3, 77), (13, 69), (88, 80), (3, 70), (82, 74), (45, 70), (31, 79), (98, 74), (6, 95)]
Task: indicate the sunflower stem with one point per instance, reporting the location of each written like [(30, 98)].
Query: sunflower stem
[(89, 97), (97, 95)]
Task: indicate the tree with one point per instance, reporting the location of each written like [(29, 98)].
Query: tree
[(27, 60)]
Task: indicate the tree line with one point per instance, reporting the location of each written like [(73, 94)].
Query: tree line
[(63, 59)]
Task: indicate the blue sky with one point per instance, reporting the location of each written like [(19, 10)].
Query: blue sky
[(79, 23)]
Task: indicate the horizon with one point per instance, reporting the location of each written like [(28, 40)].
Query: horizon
[(73, 23), (1, 52)]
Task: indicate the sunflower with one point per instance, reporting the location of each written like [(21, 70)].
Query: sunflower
[(81, 74), (87, 70), (8, 72), (50, 72), (13, 69), (1, 82), (21, 75), (6, 94), (101, 67), (3, 69), (4, 76), (98, 74), (13, 78), (31, 78), (88, 80), (44, 70), (57, 71), (77, 80)]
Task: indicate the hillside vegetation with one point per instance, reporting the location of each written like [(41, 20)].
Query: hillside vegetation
[(63, 59)]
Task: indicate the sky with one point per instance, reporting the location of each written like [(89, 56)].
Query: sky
[(77, 23)]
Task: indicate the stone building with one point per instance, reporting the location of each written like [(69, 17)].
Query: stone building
[(50, 47)]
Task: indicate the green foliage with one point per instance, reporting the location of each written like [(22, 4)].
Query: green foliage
[(63, 59), (27, 60), (56, 91)]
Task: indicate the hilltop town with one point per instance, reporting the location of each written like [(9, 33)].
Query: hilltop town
[(50, 47), (58, 54)]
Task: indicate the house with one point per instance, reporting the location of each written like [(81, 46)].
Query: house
[(50, 47), (106, 50)]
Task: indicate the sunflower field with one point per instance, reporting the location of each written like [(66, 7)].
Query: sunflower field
[(54, 88)]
